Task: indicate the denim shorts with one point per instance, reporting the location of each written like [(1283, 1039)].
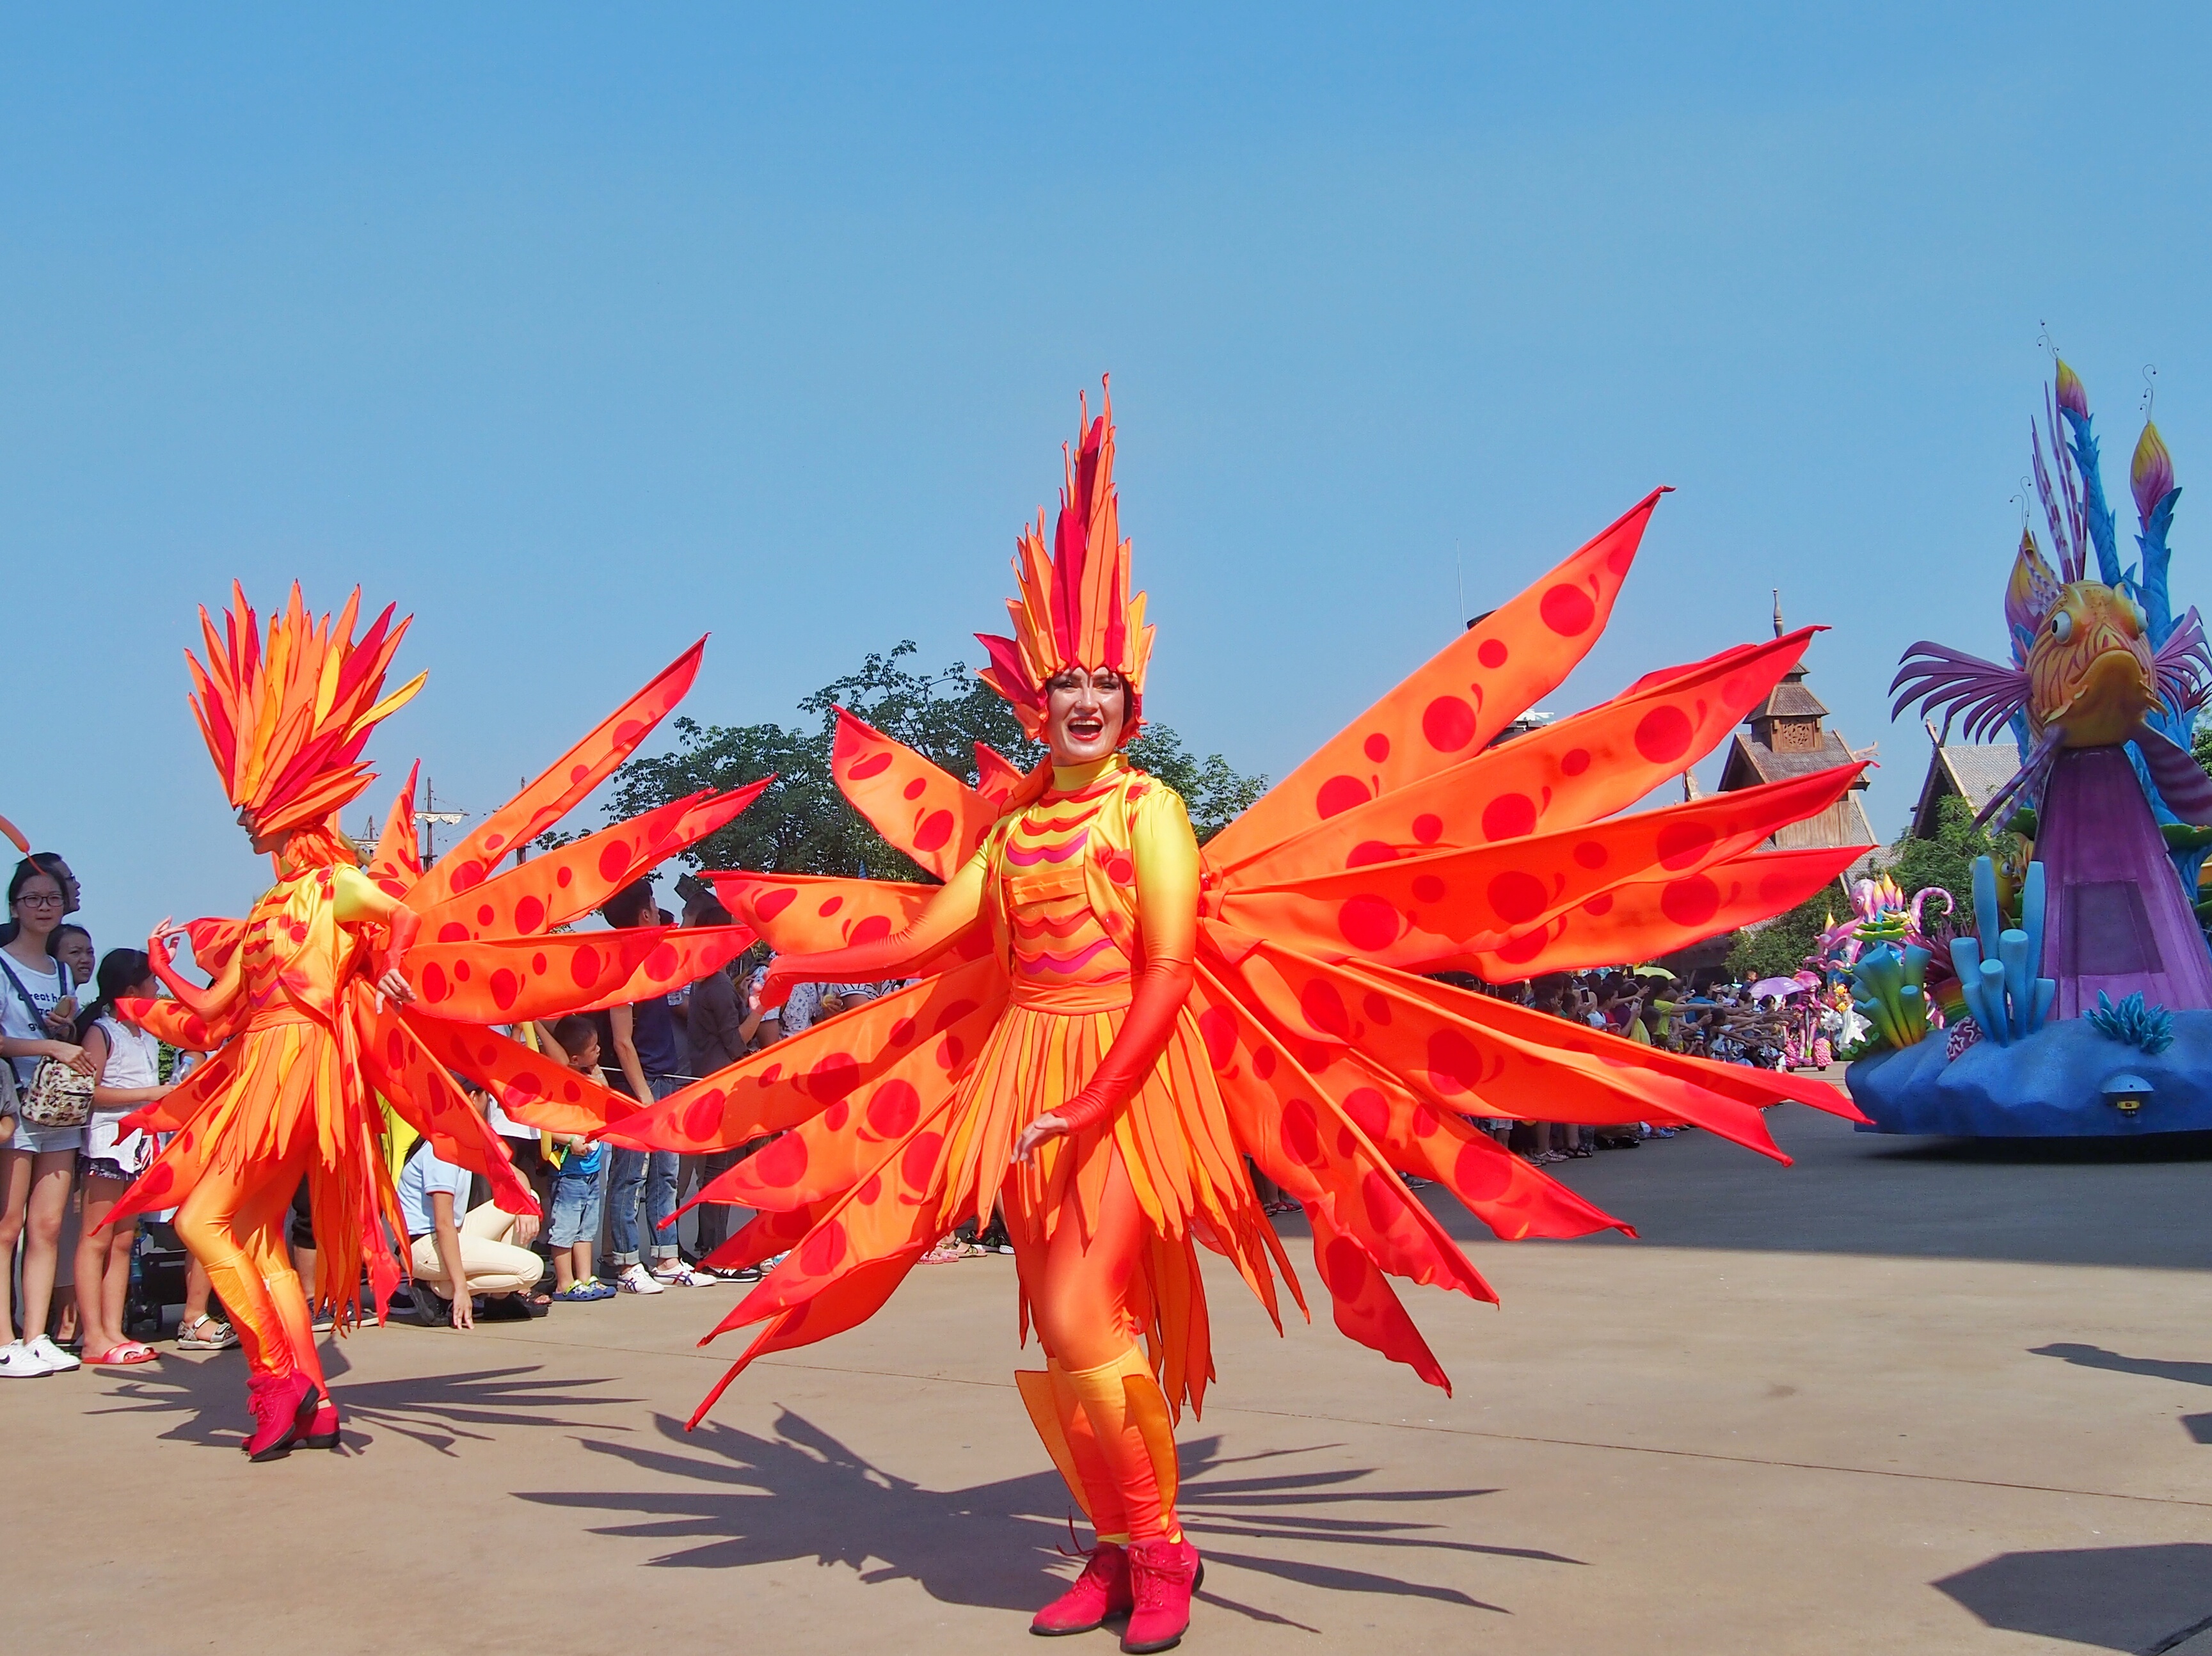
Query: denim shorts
[(578, 1206)]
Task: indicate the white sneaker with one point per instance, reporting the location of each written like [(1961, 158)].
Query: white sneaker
[(635, 1279), (19, 1362), (57, 1360), (677, 1276)]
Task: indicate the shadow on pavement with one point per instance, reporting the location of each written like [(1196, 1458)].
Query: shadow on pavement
[(435, 1410), (2146, 1599), (2095, 1202), (2199, 1426), (732, 1499)]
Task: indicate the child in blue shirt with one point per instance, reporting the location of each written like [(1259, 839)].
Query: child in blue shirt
[(579, 1182)]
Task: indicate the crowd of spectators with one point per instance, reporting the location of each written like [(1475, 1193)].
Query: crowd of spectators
[(79, 1289)]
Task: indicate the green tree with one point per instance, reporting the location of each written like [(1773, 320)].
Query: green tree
[(1947, 860), (802, 824), (1779, 947)]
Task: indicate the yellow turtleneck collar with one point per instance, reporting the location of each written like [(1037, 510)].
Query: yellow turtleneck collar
[(1077, 778)]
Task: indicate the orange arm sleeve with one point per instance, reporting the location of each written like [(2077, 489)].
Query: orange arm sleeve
[(950, 912), (1166, 855)]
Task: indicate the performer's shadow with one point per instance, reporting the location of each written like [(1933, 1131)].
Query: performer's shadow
[(2199, 1426), (439, 1412), (799, 1494)]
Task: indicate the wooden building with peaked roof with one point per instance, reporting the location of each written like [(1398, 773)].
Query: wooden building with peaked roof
[(1973, 771), (1786, 736)]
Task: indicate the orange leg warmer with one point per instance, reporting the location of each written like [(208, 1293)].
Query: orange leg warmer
[(1112, 1416), (236, 1223)]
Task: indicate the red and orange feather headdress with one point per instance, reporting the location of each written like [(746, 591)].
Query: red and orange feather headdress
[(1074, 609), (286, 719)]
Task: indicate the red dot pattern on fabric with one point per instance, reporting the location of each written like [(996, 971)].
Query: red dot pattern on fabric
[(1218, 1028), (1492, 653), (529, 917), (703, 1115), (918, 1160), (834, 1076), (1574, 761), (1517, 897), (452, 932), (1447, 724), (505, 986), (1120, 868), (564, 878), (1519, 951), (782, 1163), (866, 1195), (893, 1109), (874, 927), (1663, 734), (1428, 828), (836, 1116), (1681, 844), (915, 789), (1567, 611), (1481, 1175), (1324, 1008), (936, 828), (1454, 1065), (1509, 816), (1599, 906), (1376, 747), (435, 986), (1429, 888), (1338, 795), (821, 1252), (1346, 1268), (1368, 852), (584, 967), (1370, 1111), (774, 903), (873, 765), (1368, 923), (1264, 1060), (1300, 1133), (1591, 854), (1690, 901), (1376, 1006), (829, 906), (1380, 1196), (486, 914)]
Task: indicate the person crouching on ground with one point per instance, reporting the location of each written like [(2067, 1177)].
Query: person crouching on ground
[(454, 1258)]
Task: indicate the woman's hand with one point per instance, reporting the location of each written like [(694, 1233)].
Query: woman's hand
[(464, 1313), (70, 1053), (158, 946), (61, 1022), (1047, 1126), (394, 987)]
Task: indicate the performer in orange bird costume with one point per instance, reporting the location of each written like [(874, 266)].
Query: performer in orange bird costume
[(1109, 1018), (310, 1013)]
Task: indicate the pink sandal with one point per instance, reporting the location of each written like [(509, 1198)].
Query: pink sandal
[(129, 1354)]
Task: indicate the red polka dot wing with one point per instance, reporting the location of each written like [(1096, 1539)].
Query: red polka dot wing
[(533, 1088), (921, 808), (545, 801), (1563, 775), (1416, 911), (498, 980), (807, 914), (397, 862), (1466, 695), (398, 1065), (1642, 920)]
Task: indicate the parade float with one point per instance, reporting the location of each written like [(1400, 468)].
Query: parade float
[(2079, 1002)]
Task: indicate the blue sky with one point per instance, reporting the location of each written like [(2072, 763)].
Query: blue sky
[(581, 332)]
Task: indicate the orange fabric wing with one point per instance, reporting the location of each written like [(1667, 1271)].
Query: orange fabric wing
[(925, 812), (1641, 920), (1563, 776), (558, 886), (1415, 912), (545, 801), (533, 1087), (498, 980), (395, 1061), (397, 863), (808, 913), (1451, 708)]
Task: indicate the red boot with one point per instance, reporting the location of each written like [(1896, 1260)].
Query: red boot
[(283, 1405), (1102, 1590), (1162, 1575), (323, 1432)]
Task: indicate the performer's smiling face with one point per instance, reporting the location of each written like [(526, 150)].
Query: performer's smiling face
[(1085, 711), (263, 844)]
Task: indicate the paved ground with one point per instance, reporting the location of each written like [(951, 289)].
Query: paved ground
[(1895, 1399)]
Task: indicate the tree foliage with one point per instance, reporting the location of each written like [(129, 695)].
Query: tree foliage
[(1947, 860), (1779, 947), (802, 824)]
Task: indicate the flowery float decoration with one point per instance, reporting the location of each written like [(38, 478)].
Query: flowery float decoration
[(1311, 1041)]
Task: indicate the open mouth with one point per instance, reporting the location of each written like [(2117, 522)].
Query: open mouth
[(1086, 727)]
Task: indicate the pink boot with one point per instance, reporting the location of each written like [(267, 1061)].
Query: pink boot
[(323, 1432), (283, 1404), (1102, 1590), (1162, 1575)]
